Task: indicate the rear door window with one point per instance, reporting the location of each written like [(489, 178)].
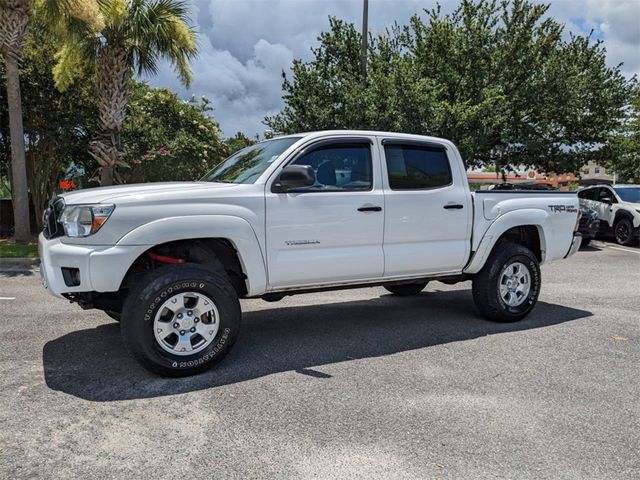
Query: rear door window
[(588, 194), (417, 167)]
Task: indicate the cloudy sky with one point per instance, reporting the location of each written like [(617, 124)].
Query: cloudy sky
[(245, 44)]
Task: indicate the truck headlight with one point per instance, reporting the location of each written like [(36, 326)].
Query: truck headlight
[(84, 220)]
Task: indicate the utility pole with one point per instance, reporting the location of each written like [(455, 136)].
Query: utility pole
[(365, 37)]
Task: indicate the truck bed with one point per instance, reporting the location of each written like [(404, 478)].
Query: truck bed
[(495, 210)]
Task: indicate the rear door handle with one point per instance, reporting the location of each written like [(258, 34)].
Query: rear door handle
[(453, 206), (371, 208)]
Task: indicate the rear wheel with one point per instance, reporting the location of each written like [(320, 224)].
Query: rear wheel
[(507, 288), (585, 242), (406, 289), (623, 231), (181, 320)]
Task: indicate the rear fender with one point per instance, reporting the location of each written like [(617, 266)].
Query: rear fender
[(517, 218)]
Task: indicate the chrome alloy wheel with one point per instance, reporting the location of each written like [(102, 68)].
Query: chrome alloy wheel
[(515, 284), (186, 323)]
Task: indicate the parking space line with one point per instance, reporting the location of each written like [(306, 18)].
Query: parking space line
[(7, 298), (624, 249)]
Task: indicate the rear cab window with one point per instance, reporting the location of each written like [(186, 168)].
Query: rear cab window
[(416, 166)]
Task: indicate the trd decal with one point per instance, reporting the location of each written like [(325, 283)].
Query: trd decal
[(563, 208)]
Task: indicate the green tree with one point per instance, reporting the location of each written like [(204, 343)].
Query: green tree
[(57, 125), (167, 138), (495, 77), (15, 17), (135, 36), (624, 157), (237, 142)]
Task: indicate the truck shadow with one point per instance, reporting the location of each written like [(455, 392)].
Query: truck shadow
[(10, 273), (92, 364)]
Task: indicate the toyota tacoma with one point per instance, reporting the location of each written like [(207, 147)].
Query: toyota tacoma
[(291, 215)]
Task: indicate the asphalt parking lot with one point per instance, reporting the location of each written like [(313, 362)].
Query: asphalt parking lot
[(352, 384)]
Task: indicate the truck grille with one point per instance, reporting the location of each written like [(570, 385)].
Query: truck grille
[(53, 228)]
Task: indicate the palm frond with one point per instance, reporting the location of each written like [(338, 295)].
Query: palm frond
[(69, 16), (73, 60), (160, 29)]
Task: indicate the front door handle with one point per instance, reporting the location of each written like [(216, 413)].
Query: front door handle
[(371, 208), (453, 206)]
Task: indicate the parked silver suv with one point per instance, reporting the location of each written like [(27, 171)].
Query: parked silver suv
[(618, 208)]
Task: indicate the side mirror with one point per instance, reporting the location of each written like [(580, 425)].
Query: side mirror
[(293, 177), (606, 200)]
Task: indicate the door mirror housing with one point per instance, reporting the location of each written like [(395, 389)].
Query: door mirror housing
[(293, 177)]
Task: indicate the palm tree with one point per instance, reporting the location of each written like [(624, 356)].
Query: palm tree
[(136, 35), (14, 21), (15, 16)]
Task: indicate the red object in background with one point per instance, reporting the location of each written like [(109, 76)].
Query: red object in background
[(164, 150), (67, 184)]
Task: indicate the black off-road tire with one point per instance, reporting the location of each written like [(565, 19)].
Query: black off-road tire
[(623, 232), (406, 289), (114, 315), (146, 299), (486, 283)]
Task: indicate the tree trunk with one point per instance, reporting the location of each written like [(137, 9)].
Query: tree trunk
[(113, 90), (106, 176), (19, 190)]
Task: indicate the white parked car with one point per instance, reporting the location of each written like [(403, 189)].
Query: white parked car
[(296, 214), (618, 208)]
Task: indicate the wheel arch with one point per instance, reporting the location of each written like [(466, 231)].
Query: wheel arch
[(532, 234), (621, 213), (233, 246)]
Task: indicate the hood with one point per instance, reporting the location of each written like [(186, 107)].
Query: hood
[(107, 194)]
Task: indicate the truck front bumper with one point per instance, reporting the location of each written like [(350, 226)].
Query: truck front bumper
[(67, 268), (575, 244)]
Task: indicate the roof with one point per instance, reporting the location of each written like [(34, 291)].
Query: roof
[(617, 185), (321, 133)]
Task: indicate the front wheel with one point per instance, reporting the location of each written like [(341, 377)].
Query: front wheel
[(623, 231), (181, 320), (114, 315), (507, 287)]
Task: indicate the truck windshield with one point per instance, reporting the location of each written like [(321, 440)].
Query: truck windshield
[(246, 165), (629, 194)]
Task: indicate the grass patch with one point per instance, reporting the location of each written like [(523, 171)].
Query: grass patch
[(13, 250)]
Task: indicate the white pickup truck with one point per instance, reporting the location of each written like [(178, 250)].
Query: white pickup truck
[(295, 214)]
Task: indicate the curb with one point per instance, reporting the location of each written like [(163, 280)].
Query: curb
[(18, 263)]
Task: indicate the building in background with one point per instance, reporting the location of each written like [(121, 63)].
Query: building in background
[(592, 174), (483, 180)]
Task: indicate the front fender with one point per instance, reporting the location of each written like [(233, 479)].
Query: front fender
[(516, 218), (235, 229)]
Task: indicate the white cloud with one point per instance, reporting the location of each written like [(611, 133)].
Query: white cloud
[(617, 20), (245, 44)]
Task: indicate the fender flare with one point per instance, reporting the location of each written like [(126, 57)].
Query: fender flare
[(234, 229), (623, 212), (534, 217)]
